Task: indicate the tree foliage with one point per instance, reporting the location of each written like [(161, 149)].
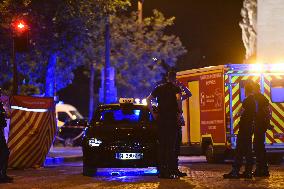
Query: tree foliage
[(53, 28), (142, 52), (74, 31), (67, 28)]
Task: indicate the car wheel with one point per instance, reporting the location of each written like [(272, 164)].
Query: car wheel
[(209, 153), (89, 171), (211, 156)]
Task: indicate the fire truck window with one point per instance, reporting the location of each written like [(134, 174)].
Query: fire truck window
[(62, 116), (277, 91)]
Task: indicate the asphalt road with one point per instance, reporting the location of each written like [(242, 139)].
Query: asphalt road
[(200, 175)]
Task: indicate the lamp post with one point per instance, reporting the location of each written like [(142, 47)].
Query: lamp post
[(108, 91), (107, 62), (140, 10)]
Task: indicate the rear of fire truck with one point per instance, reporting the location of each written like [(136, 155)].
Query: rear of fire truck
[(212, 113), (270, 78)]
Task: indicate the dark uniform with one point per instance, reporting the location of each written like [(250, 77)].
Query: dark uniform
[(244, 140), (167, 126), (180, 124), (262, 122), (4, 151)]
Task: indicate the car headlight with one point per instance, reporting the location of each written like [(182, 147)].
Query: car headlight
[(93, 142)]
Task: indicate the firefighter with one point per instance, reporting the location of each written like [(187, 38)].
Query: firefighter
[(262, 123), (4, 151), (168, 98), (244, 138)]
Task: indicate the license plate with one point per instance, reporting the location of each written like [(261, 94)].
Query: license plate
[(128, 156)]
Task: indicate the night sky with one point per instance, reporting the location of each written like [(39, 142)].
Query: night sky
[(209, 29)]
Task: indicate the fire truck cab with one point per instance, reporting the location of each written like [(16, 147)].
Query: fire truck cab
[(211, 114)]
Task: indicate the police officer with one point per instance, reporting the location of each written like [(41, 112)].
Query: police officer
[(244, 138), (168, 96), (185, 94), (4, 151), (262, 123)]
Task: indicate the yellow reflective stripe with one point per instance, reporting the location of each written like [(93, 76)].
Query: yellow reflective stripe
[(237, 109), (236, 122), (235, 100), (245, 77), (199, 73), (267, 139), (267, 86), (226, 77), (276, 128), (235, 89), (234, 78), (219, 144), (278, 119)]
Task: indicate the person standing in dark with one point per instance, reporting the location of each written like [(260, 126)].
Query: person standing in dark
[(244, 137), (168, 96), (4, 151), (262, 123), (185, 94)]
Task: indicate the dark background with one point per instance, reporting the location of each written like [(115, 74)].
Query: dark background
[(209, 29)]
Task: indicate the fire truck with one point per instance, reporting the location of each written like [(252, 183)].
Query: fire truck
[(212, 113)]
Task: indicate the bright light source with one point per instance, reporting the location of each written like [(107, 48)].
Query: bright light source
[(144, 101), (256, 68), (277, 67), (137, 100), (21, 26), (93, 142)]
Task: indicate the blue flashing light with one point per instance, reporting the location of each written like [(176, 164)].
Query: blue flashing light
[(122, 173), (137, 112)]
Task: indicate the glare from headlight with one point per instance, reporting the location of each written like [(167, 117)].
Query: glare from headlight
[(93, 142)]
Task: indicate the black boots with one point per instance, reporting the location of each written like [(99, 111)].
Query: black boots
[(246, 175), (261, 173), (234, 174), (165, 172), (167, 175)]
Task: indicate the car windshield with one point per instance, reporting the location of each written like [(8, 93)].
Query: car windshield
[(118, 115)]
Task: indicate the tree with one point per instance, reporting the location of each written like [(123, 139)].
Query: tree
[(94, 14), (54, 35), (142, 52)]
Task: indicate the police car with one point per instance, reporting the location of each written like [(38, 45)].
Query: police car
[(120, 135)]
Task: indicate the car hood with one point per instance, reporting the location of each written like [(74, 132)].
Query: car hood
[(123, 133)]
